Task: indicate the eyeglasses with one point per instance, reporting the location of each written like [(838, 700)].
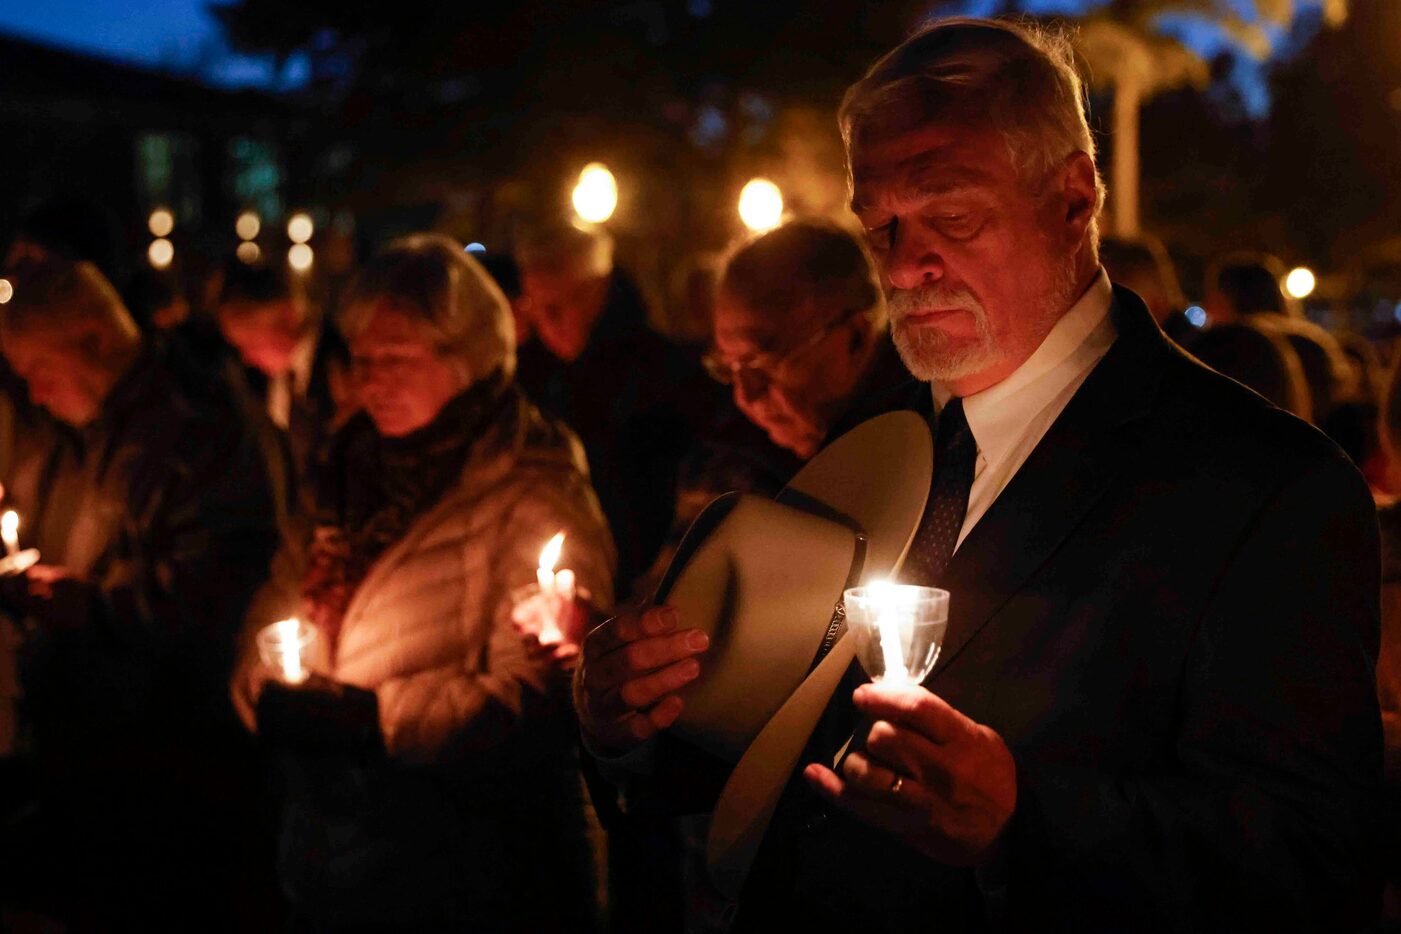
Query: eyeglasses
[(759, 369)]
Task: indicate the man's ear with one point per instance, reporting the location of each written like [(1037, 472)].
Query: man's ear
[(1079, 194)]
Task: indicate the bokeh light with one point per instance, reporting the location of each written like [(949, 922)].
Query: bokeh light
[(161, 253), (300, 228), (300, 257), (761, 205), (1196, 316), (596, 194), (475, 247), (161, 222), (249, 252), (248, 225), (7, 291), (1300, 282)]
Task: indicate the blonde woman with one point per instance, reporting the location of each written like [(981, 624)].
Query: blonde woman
[(431, 777)]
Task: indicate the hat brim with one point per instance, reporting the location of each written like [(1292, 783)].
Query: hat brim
[(877, 476)]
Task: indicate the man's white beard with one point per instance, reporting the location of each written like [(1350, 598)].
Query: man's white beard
[(928, 352), (932, 356)]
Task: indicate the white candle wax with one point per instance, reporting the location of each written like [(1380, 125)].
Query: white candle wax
[(9, 531), (889, 625), (289, 651), (565, 586)]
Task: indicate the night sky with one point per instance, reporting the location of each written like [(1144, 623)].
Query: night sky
[(175, 34), (182, 36)]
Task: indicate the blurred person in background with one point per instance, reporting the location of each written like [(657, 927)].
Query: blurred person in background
[(635, 399), (156, 304), (800, 338), (801, 332), (295, 362), (1389, 659), (1144, 265), (1259, 359), (154, 520), (1356, 427), (638, 402), (1247, 288), (432, 780), (67, 227), (693, 288), (507, 276), (1243, 285)]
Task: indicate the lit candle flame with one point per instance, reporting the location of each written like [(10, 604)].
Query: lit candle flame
[(888, 624), (549, 557), (553, 587), (9, 531)]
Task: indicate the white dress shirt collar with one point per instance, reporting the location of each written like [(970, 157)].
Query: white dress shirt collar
[(1000, 414)]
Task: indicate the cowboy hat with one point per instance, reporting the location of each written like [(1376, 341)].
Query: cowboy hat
[(764, 578)]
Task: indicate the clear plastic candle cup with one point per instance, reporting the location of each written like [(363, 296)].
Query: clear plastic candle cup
[(898, 628), (285, 647)]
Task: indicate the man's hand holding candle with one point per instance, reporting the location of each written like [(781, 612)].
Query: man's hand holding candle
[(929, 775)]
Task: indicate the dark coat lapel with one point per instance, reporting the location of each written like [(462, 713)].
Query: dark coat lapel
[(1064, 477)]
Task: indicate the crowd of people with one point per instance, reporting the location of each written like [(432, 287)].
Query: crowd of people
[(1185, 735)]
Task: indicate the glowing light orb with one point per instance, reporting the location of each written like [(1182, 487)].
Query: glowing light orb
[(300, 257), (1300, 282), (248, 225), (161, 253), (249, 252), (761, 205), (300, 228), (7, 291), (596, 195), (160, 223)]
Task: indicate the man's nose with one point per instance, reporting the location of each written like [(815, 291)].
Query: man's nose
[(913, 260)]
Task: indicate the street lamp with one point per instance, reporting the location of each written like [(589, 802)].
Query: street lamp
[(596, 194), (761, 205)]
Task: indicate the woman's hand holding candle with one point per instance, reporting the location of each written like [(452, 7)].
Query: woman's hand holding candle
[(553, 614)]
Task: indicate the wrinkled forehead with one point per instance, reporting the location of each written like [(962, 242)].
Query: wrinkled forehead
[(933, 160)]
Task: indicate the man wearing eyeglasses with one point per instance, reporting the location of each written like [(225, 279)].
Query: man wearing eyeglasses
[(801, 332)]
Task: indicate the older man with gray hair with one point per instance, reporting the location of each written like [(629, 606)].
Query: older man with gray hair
[(1154, 706), (635, 399), (153, 515)]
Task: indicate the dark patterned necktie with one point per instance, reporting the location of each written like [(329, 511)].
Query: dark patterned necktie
[(955, 453)]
